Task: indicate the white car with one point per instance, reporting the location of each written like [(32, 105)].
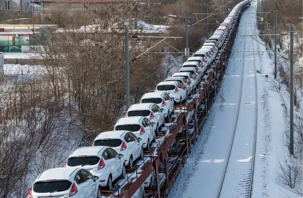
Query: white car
[(199, 59), (65, 182), (162, 99), (174, 89), (149, 110), (124, 142), (196, 64), (188, 76), (182, 80), (193, 70), (101, 161), (140, 126), (205, 54)]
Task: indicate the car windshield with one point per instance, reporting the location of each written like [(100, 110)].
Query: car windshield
[(51, 186), (151, 100), (138, 113), (165, 87), (82, 161), (108, 142), (130, 127)]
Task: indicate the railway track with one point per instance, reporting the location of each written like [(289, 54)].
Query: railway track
[(173, 143), (237, 180)]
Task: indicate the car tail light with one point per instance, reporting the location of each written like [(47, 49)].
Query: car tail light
[(123, 146), (30, 193), (73, 190), (163, 103), (101, 164), (155, 90), (176, 89), (64, 164), (152, 115), (142, 130)]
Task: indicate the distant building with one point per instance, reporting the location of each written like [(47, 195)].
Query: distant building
[(16, 5)]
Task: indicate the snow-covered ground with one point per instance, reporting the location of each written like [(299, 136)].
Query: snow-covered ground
[(204, 170)]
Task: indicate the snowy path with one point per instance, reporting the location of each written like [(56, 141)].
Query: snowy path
[(204, 171)]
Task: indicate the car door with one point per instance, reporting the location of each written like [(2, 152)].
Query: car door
[(136, 144), (90, 183), (116, 163), (169, 102), (130, 146), (108, 168), (160, 116), (182, 91), (82, 185), (148, 127)]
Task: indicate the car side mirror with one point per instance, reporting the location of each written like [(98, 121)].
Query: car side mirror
[(95, 178), (120, 156)]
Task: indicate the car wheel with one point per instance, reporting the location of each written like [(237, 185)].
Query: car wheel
[(99, 195), (123, 174), (109, 184), (130, 162)]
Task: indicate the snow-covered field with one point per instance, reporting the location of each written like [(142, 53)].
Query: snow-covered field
[(204, 169)]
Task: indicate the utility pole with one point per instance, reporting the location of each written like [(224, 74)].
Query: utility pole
[(207, 22), (291, 141), (186, 32), (127, 66), (266, 23), (33, 17), (275, 33)]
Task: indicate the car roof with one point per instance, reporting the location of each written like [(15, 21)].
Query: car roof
[(182, 73), (195, 58), (202, 51), (196, 63), (140, 106), (88, 150), (130, 120), (187, 69), (168, 83), (214, 37), (221, 28), (175, 78), (61, 173), (153, 95), (111, 134)]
